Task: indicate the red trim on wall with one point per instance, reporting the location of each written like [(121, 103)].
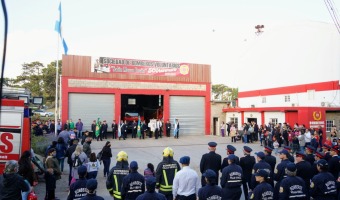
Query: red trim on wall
[(322, 86), (12, 102)]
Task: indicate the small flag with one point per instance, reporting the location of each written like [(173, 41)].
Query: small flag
[(65, 47), (58, 28), (97, 128), (138, 127), (175, 129)]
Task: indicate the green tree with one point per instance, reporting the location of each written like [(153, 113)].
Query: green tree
[(31, 78), (49, 80), (223, 92)]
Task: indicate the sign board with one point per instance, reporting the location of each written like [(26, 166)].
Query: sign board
[(10, 134)]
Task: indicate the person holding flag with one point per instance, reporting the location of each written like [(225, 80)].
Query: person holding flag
[(98, 134), (176, 130), (138, 128)]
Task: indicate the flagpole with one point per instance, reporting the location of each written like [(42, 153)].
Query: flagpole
[(56, 89)]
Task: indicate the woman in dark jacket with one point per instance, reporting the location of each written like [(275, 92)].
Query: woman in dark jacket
[(106, 157), (25, 167), (61, 151)]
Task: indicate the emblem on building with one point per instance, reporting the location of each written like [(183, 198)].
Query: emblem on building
[(317, 115)]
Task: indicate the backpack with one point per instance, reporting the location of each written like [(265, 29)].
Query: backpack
[(76, 161)]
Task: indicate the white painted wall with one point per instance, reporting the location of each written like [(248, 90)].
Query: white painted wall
[(330, 99), (279, 115), (234, 115)]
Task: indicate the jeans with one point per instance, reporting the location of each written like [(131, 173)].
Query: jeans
[(106, 163), (61, 164)]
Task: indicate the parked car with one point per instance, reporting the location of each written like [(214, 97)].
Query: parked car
[(43, 113)]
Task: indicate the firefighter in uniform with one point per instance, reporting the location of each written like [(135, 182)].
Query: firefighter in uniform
[(290, 157), (263, 190), (231, 180), (165, 173), (78, 188), (292, 187), (247, 163), (279, 172), (261, 165), (230, 150), (271, 160), (210, 190), (326, 149), (334, 162), (133, 184), (323, 185), (210, 160), (318, 156), (303, 169), (116, 175), (310, 154)]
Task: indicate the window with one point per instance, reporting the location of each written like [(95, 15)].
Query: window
[(287, 98), (264, 100), (329, 124), (234, 120), (310, 94), (273, 120)]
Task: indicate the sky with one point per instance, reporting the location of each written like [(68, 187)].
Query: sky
[(215, 32)]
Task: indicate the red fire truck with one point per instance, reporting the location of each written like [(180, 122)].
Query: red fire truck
[(15, 136)]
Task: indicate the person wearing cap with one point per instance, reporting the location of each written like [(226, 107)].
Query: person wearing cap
[(70, 150), (326, 150), (133, 184), (318, 156), (247, 163), (230, 150), (310, 154), (290, 157), (279, 172), (210, 190), (271, 160), (334, 162), (116, 175), (151, 191), (11, 183), (231, 180), (211, 160), (78, 188), (165, 173), (303, 168), (261, 165), (186, 182), (106, 157), (323, 185), (91, 187), (292, 187), (263, 190)]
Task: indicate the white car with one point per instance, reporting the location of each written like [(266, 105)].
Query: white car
[(43, 113)]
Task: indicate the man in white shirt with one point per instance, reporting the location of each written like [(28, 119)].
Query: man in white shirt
[(186, 182), (308, 137)]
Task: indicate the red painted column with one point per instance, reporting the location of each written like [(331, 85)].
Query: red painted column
[(242, 118), (207, 109), (262, 118), (64, 101), (166, 107), (118, 104)]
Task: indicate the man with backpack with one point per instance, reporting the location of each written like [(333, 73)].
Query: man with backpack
[(68, 154)]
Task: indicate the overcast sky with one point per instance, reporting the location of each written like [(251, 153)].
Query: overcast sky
[(215, 32)]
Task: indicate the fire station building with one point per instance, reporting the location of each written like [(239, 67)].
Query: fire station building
[(113, 88)]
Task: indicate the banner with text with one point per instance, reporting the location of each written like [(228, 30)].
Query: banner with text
[(138, 67)]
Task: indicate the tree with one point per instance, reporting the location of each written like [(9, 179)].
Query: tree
[(31, 78), (49, 78), (223, 92)]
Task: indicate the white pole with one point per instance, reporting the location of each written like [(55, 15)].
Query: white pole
[(56, 91)]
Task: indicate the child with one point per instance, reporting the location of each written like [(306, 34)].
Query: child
[(93, 166), (276, 146)]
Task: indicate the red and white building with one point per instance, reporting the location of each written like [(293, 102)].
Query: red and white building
[(109, 88), (292, 74)]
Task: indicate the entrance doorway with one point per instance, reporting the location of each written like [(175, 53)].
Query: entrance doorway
[(215, 125), (252, 120)]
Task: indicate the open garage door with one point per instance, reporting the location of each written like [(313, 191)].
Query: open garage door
[(89, 107), (190, 113)]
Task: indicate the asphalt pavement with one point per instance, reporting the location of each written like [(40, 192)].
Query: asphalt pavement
[(150, 150)]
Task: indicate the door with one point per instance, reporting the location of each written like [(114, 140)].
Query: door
[(215, 125)]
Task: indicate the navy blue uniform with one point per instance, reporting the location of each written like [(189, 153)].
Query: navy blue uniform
[(265, 166), (77, 189), (327, 156), (115, 179), (231, 182), (225, 162), (151, 196), (210, 192), (334, 166), (92, 197), (291, 158), (271, 160), (310, 158), (304, 170), (133, 186), (247, 164), (211, 161), (293, 187), (262, 191), (323, 187), (279, 174)]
